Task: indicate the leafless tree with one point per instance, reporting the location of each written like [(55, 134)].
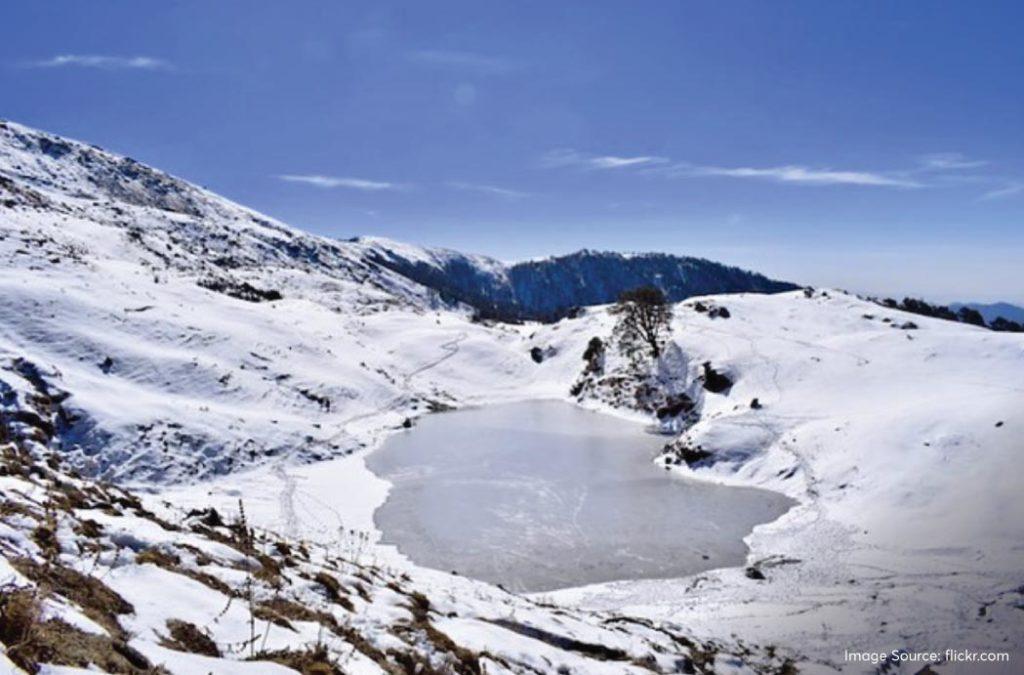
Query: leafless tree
[(645, 319)]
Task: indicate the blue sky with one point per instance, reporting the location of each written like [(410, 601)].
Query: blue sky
[(875, 146)]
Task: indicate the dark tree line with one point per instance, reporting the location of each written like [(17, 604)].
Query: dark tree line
[(963, 315)]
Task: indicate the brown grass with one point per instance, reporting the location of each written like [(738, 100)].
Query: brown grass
[(97, 600), (31, 641), (282, 611), (312, 661), (172, 563), (20, 612), (159, 557), (457, 659), (187, 637), (333, 589)]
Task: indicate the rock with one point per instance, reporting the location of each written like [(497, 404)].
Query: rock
[(538, 354), (209, 516), (594, 356), (692, 456), (675, 405), (714, 381), (407, 423), (755, 404), (240, 290), (754, 573)]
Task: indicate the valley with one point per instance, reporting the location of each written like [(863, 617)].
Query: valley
[(201, 355)]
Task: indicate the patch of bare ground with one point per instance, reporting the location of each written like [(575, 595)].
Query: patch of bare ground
[(315, 660), (31, 641), (187, 637)]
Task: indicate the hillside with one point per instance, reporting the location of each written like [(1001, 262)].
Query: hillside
[(550, 288), (199, 354)]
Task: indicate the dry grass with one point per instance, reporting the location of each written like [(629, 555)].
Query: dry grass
[(333, 589), (158, 557), (312, 661), (457, 659), (282, 611), (172, 563), (187, 637), (31, 641), (20, 612), (97, 600)]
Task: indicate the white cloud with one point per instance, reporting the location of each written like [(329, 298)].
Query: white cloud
[(934, 170), (950, 161), (339, 182), (102, 62), (558, 158), (488, 189), (612, 162), (467, 61), (1007, 191), (800, 174)]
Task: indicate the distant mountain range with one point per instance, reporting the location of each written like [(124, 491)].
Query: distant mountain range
[(550, 288), (993, 311)]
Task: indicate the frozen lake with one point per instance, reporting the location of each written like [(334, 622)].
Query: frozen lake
[(542, 495)]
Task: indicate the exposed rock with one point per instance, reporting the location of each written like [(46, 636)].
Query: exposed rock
[(539, 354), (692, 456), (675, 405), (594, 355), (242, 290), (714, 381)]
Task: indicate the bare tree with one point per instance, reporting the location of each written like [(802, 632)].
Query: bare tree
[(645, 319)]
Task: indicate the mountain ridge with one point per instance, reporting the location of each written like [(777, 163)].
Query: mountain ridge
[(549, 288)]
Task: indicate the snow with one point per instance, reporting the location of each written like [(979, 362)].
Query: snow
[(901, 446), (909, 521)]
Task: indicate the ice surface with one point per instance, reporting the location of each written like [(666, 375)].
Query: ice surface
[(539, 495)]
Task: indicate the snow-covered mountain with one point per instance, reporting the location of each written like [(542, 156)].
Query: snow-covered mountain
[(550, 288), (155, 334)]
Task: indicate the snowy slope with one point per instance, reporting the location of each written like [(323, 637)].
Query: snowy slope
[(903, 447), (188, 338), (92, 580)]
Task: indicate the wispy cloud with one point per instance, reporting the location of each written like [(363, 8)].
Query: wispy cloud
[(935, 170), (339, 182), (560, 158), (949, 161), (465, 61), (792, 173), (612, 162), (102, 62), (494, 190), (1009, 190)]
